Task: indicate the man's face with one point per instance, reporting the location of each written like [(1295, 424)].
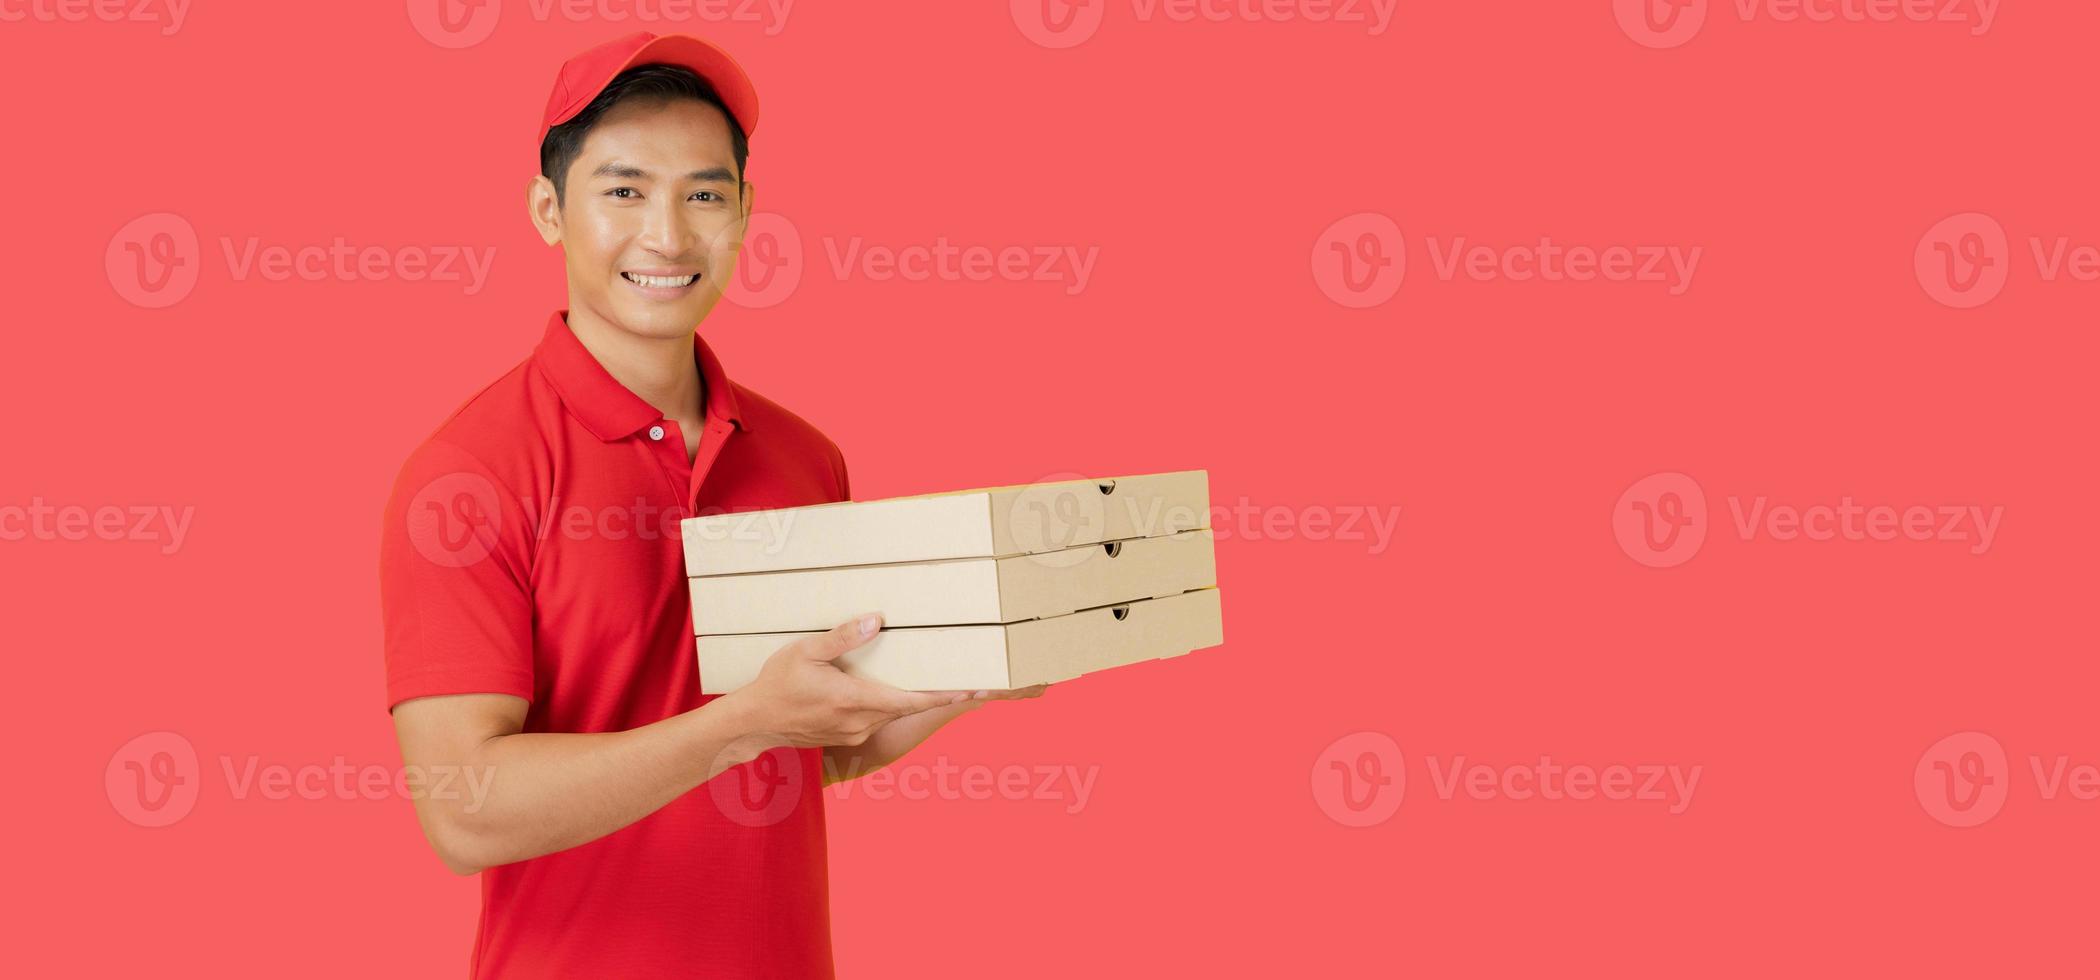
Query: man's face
[(654, 216)]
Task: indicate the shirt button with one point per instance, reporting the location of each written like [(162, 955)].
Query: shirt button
[(656, 433)]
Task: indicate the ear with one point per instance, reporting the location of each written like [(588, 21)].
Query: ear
[(544, 208), (749, 189)]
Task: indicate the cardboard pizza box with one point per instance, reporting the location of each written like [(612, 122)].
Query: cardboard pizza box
[(957, 591), (993, 657), (995, 522)]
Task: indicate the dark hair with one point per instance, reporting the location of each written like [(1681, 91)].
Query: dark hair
[(667, 82)]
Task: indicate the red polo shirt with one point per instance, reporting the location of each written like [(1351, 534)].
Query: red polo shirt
[(531, 548)]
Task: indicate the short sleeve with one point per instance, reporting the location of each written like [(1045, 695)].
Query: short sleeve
[(454, 580), (838, 467)]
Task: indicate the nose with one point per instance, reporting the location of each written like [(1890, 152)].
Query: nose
[(666, 229)]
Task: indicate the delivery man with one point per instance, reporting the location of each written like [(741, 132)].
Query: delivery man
[(538, 632)]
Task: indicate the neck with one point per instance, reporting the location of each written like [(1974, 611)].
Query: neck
[(660, 371)]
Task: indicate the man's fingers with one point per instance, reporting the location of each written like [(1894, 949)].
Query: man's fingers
[(913, 702), (829, 645), (1014, 694), (900, 703)]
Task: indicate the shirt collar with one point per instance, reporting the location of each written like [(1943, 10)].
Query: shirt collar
[(603, 404)]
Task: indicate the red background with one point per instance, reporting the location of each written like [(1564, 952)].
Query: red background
[(1806, 363)]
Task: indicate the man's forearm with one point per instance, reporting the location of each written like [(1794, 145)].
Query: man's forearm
[(548, 791)]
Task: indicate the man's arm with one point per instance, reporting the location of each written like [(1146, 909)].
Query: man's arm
[(890, 742), (543, 792)]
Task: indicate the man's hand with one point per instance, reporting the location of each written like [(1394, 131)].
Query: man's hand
[(802, 698), (862, 725)]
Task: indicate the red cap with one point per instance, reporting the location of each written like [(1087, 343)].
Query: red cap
[(587, 74)]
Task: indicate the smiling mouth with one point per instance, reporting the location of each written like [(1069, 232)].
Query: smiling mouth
[(660, 282)]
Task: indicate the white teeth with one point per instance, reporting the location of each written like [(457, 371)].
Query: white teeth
[(661, 282)]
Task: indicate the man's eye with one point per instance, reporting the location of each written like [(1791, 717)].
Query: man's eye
[(710, 193), (620, 192)]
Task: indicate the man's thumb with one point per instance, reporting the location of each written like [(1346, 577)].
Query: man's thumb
[(831, 644)]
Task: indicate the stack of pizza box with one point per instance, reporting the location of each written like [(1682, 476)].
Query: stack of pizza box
[(989, 589)]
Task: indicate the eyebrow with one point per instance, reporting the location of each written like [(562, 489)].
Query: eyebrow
[(628, 171)]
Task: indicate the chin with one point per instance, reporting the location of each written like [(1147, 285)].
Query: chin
[(663, 321)]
